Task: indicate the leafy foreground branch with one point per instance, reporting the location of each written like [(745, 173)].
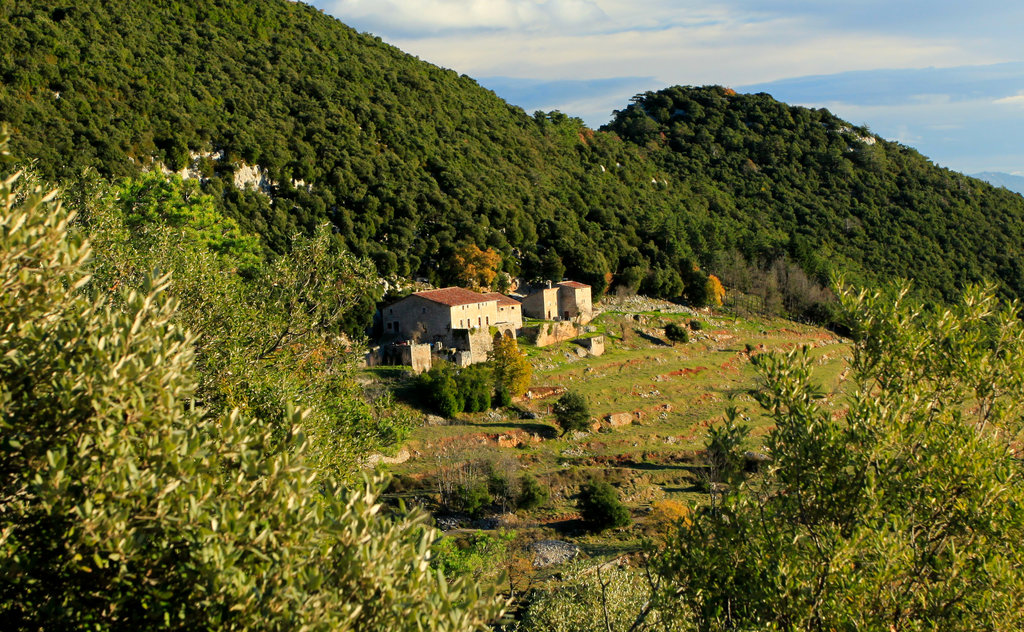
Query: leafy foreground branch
[(126, 507), (902, 510)]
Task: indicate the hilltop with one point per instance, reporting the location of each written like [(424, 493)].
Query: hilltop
[(409, 161)]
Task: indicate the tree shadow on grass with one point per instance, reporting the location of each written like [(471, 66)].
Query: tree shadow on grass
[(652, 339), (545, 431)]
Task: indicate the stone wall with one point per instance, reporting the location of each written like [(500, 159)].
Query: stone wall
[(421, 320), (594, 345), (473, 343), (546, 334), (416, 356)]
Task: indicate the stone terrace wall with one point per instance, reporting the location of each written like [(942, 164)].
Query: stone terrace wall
[(547, 334)]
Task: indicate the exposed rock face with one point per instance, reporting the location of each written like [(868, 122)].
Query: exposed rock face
[(449, 522), (402, 456), (247, 176), (435, 420), (551, 552)]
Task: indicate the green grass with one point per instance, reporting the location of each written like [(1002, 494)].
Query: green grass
[(681, 390)]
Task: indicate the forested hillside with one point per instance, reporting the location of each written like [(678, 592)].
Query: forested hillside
[(841, 194), (409, 161)]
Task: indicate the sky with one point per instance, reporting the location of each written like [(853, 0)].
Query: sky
[(943, 76)]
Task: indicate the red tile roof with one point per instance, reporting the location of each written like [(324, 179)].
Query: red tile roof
[(454, 296), (502, 299), (576, 285)]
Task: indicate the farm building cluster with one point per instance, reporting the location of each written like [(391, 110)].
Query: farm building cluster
[(460, 325)]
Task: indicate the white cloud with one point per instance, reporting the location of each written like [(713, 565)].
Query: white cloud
[(737, 43), (429, 17), (1015, 100)]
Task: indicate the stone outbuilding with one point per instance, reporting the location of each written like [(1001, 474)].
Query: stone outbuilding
[(568, 300)]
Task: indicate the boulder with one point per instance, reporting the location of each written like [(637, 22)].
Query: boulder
[(617, 420)]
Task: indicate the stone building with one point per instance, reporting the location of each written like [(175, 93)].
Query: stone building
[(568, 300), (431, 316), (456, 322), (574, 302), (510, 314)]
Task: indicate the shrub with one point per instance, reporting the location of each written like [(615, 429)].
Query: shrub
[(532, 494), (724, 449), (126, 507), (676, 333), (473, 497), (439, 388), (572, 412), (512, 370), (591, 597), (474, 384), (696, 325), (667, 515), (904, 513), (502, 397), (601, 508)]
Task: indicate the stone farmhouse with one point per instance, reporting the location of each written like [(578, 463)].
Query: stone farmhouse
[(459, 324), (568, 300), (456, 320)]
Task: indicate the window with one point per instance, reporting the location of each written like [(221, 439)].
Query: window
[(488, 320)]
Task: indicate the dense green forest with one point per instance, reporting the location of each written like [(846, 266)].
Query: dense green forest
[(408, 161)]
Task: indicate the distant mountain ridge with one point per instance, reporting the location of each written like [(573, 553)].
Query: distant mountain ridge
[(409, 161), (1005, 180)]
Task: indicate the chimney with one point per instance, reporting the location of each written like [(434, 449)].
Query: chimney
[(549, 283)]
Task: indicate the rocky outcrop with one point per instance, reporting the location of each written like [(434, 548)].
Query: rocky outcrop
[(551, 552)]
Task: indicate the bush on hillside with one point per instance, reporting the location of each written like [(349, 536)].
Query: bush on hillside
[(600, 507), (532, 494), (572, 412), (677, 333)]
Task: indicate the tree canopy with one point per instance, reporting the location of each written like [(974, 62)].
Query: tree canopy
[(411, 163)]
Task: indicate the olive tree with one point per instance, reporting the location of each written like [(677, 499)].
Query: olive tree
[(126, 506), (902, 508)]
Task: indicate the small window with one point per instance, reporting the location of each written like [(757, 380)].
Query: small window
[(488, 320), (424, 311)]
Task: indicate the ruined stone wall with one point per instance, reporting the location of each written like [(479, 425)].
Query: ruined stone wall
[(475, 344), (593, 345), (416, 356), (546, 334)]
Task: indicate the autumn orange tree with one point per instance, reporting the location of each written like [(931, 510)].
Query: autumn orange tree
[(715, 291), (475, 268)]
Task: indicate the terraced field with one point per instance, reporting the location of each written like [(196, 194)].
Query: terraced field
[(660, 397)]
